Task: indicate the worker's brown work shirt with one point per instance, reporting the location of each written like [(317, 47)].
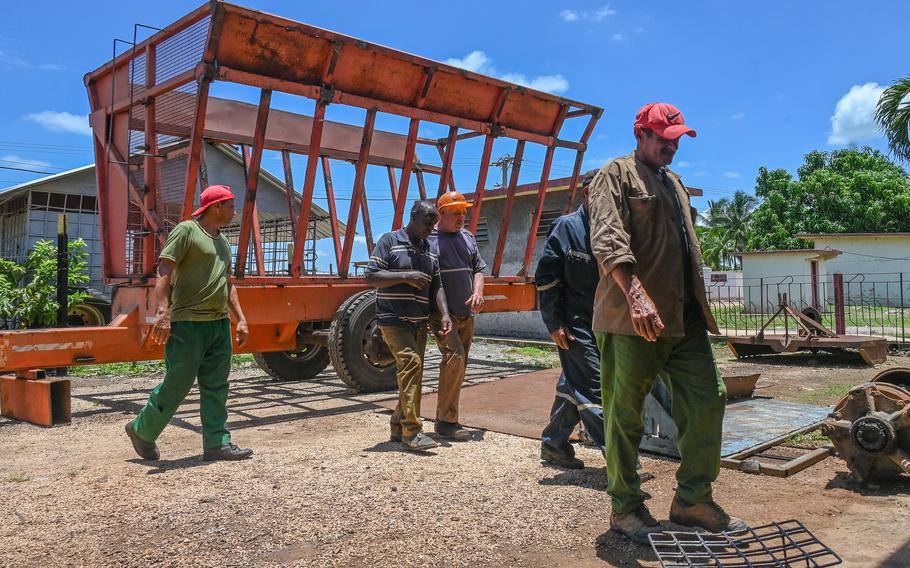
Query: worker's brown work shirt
[(635, 219)]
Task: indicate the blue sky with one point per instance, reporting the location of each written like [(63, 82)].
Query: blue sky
[(762, 83)]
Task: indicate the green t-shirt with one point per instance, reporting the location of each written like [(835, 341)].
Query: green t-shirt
[(200, 279)]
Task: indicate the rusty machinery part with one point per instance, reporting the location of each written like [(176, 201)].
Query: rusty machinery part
[(300, 365), (814, 315), (899, 376), (358, 353), (870, 429)]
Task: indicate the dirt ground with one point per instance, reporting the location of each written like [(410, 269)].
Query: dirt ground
[(326, 488)]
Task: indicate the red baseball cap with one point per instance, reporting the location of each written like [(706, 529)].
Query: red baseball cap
[(211, 195), (664, 119)]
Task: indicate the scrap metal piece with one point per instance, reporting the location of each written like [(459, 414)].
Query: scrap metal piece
[(870, 428), (30, 396), (788, 543)]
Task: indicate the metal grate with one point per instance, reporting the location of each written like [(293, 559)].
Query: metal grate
[(785, 544)]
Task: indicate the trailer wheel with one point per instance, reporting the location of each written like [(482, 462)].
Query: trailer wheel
[(294, 365), (360, 356)]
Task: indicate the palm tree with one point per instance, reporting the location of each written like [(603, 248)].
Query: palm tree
[(893, 116), (726, 223)]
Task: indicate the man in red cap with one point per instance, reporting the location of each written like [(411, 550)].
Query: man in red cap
[(651, 317), (195, 297), (461, 268)]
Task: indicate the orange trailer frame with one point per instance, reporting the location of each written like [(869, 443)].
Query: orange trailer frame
[(151, 112)]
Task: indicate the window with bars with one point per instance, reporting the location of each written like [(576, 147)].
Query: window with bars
[(546, 220), (481, 236)]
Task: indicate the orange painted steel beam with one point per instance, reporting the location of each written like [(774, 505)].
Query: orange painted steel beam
[(358, 194), (507, 208), (35, 399), (333, 212), (481, 183), (407, 166)]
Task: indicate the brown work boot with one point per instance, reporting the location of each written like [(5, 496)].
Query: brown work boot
[(453, 431), (635, 525), (708, 516), (226, 452), (146, 450)]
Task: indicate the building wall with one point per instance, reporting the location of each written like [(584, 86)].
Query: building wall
[(723, 285), (767, 275), (528, 324), (875, 269)]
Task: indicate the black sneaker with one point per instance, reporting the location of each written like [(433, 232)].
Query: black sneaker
[(553, 456), (146, 450), (453, 431), (227, 452), (419, 443)]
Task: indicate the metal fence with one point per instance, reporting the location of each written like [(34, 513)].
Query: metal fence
[(853, 304)]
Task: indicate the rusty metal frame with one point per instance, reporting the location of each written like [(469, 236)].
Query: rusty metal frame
[(321, 65)]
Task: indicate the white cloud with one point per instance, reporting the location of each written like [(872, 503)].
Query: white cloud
[(476, 61), (8, 59), (360, 239), (732, 175), (546, 83), (738, 116), (701, 173), (24, 162), (619, 36), (61, 122), (853, 119), (683, 164), (595, 16), (479, 62)]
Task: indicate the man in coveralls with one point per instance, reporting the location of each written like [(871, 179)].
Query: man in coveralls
[(651, 316), (566, 279)]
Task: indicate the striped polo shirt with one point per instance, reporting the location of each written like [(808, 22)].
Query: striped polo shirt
[(459, 261), (403, 304)]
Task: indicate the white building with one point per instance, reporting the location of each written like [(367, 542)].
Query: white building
[(803, 275)]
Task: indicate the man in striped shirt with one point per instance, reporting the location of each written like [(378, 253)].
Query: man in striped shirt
[(406, 273)]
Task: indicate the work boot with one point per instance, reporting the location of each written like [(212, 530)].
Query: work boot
[(551, 455), (146, 450), (708, 516), (419, 442), (395, 436), (635, 525), (453, 431), (227, 452)]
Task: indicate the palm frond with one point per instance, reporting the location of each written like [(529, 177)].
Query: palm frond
[(893, 116)]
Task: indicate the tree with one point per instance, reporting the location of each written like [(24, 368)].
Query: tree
[(28, 292), (725, 229), (844, 191), (893, 116)]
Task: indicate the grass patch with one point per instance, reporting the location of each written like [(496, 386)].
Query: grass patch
[(810, 440), (140, 368), (825, 396), (17, 478), (542, 358)]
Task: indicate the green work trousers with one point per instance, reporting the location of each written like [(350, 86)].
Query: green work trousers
[(408, 344), (628, 366), (194, 349)]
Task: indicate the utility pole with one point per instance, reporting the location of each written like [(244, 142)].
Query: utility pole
[(504, 162)]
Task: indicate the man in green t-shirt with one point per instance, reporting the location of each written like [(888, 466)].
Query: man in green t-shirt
[(194, 297)]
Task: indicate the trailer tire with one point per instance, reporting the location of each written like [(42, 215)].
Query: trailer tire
[(361, 358), (294, 365)]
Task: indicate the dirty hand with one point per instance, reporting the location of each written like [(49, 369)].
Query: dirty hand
[(645, 320), (242, 332), (445, 324), (161, 329), (416, 279), (562, 337), (475, 302)]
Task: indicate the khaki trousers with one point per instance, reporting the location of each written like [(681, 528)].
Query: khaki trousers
[(454, 347), (408, 344)]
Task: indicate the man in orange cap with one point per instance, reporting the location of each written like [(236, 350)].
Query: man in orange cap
[(461, 267), (195, 297), (651, 316)]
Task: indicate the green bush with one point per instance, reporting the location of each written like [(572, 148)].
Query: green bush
[(28, 292)]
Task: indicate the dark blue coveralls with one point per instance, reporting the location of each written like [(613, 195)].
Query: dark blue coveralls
[(566, 278)]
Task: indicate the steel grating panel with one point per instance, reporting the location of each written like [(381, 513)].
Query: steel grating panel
[(785, 544)]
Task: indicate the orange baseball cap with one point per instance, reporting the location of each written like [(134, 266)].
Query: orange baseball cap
[(664, 119), (452, 199)]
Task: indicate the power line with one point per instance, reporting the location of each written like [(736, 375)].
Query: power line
[(25, 170)]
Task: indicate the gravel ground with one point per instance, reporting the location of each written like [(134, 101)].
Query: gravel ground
[(326, 488)]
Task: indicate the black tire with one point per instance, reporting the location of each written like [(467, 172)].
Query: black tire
[(294, 365), (357, 351)]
